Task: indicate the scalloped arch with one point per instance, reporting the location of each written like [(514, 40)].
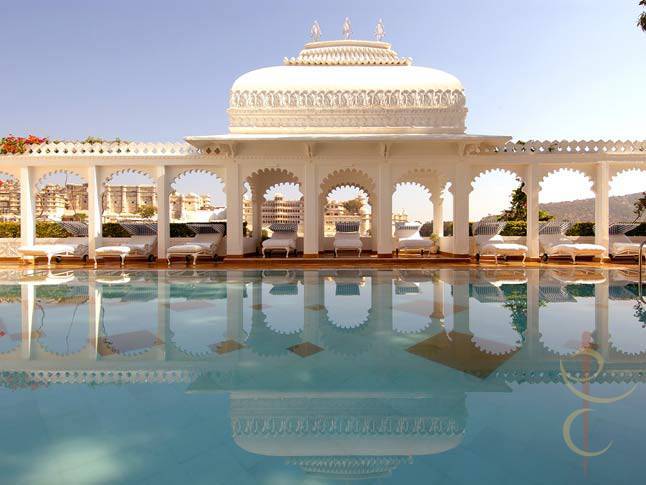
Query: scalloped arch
[(9, 175), (570, 170), (348, 177), (426, 178), (203, 171), (121, 171), (497, 170), (264, 179), (640, 168), (38, 183)]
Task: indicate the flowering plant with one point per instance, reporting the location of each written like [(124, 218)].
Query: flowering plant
[(12, 145)]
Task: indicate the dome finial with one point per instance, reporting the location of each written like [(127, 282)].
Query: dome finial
[(315, 31), (347, 28), (379, 30)]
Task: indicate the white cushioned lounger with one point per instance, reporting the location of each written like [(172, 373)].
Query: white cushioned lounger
[(205, 243), (620, 245), (489, 242), (347, 237), (555, 243), (140, 244), (409, 238), (71, 247), (283, 238)]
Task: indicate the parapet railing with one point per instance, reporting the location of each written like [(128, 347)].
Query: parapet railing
[(113, 148), (568, 146)]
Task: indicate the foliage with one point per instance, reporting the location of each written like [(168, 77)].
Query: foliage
[(426, 230), (640, 206), (582, 291), (112, 229), (638, 231), (177, 229), (515, 228), (581, 229), (516, 303), (9, 229), (640, 313), (50, 229), (147, 211), (641, 21), (12, 145), (518, 208), (353, 206)]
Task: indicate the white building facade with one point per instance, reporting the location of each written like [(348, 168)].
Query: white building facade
[(341, 113)]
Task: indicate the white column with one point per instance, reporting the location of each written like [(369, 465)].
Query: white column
[(385, 217), (601, 332), (94, 317), (602, 205), (94, 226), (256, 222), (234, 210), (311, 209), (461, 321), (28, 304), (531, 191), (27, 207), (532, 334), (163, 315), (163, 228), (313, 294), (235, 304), (461, 190), (438, 213)]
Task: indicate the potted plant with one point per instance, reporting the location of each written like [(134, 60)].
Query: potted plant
[(436, 243)]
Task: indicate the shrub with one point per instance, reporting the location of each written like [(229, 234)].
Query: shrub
[(515, 228), (112, 229), (9, 229), (638, 231), (180, 230), (581, 229), (50, 229)]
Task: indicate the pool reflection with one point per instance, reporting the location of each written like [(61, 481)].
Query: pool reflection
[(344, 373)]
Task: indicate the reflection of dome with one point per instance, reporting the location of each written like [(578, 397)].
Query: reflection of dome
[(347, 86), (347, 437)]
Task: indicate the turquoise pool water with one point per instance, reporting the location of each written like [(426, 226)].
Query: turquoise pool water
[(286, 377)]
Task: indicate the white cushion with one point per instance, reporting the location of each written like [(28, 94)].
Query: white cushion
[(504, 248), (188, 248), (105, 250), (413, 243), (45, 249), (280, 242)]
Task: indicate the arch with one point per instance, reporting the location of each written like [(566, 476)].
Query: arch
[(569, 172), (432, 180), (112, 198), (637, 171), (349, 177), (262, 180), (128, 170), (196, 195), (497, 170), (9, 197), (55, 200), (199, 171)]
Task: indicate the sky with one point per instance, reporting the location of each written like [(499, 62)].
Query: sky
[(161, 70)]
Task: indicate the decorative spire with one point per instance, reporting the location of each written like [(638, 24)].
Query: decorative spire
[(347, 28), (315, 31), (379, 30)]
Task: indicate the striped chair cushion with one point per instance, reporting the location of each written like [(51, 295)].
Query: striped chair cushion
[(283, 227), (554, 227), (207, 227), (348, 226), (489, 228), (622, 228), (76, 229), (407, 226), (140, 228)]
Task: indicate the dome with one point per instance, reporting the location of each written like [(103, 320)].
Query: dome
[(347, 86)]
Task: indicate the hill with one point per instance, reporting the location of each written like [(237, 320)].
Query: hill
[(621, 209)]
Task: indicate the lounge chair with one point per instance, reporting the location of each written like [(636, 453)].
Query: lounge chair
[(347, 237), (489, 242), (283, 238), (73, 247), (409, 238), (620, 245), (205, 243), (555, 243), (141, 244)]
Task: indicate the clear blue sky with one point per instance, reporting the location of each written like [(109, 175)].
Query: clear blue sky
[(160, 70)]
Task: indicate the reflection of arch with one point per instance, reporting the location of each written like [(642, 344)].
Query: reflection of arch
[(349, 177)]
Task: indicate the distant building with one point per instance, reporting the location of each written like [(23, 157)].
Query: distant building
[(191, 207)]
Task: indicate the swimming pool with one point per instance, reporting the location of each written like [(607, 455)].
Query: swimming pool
[(281, 377)]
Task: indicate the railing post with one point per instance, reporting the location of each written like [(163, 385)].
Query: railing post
[(163, 228), (27, 207), (602, 205)]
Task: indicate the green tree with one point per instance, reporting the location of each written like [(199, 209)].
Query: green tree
[(640, 204), (641, 21), (518, 209), (353, 206), (147, 211)]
